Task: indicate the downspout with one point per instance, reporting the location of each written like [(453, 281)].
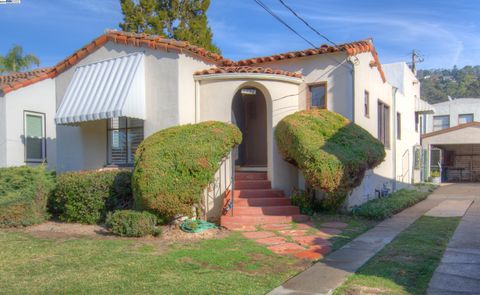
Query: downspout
[(197, 101), (353, 63), (394, 145)]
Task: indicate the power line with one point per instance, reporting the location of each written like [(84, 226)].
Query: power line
[(261, 4), (306, 23)]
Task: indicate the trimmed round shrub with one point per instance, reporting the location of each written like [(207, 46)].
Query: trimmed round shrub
[(332, 152), (23, 195), (87, 196), (129, 223), (174, 165)]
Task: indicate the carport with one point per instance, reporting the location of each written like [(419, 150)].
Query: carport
[(455, 152)]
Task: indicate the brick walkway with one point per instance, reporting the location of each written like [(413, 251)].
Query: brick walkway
[(302, 240), (324, 276)]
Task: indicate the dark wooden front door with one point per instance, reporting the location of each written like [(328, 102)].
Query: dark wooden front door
[(255, 130)]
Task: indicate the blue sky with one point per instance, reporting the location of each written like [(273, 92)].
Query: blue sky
[(446, 32)]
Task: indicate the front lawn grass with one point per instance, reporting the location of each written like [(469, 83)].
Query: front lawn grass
[(229, 265), (406, 265)]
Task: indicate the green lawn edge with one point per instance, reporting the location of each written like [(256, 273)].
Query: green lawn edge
[(406, 265)]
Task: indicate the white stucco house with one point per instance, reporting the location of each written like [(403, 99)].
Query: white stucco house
[(92, 109)]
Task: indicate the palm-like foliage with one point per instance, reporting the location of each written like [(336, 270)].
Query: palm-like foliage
[(15, 61)]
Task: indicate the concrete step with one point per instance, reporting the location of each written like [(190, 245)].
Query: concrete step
[(251, 176), (253, 184), (267, 211), (258, 202), (233, 221), (258, 193)]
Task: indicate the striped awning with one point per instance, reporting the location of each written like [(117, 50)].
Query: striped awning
[(105, 89), (421, 106)]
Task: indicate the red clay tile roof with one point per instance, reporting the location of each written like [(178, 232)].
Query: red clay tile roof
[(18, 80), (246, 69), (351, 49), (138, 40), (13, 81)]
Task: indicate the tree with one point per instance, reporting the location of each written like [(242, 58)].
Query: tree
[(15, 61), (178, 19)]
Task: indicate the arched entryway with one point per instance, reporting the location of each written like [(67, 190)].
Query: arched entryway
[(249, 113)]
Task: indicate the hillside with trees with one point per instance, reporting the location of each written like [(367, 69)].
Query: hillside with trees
[(438, 84)]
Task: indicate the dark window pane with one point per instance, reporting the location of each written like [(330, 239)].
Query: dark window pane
[(34, 137), (399, 126), (124, 136), (441, 122), (465, 118), (367, 103), (317, 96), (34, 148)]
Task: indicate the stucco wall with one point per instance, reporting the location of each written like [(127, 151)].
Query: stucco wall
[(3, 140), (38, 97), (368, 78), (188, 65), (282, 99), (455, 108), (400, 76), (330, 68), (87, 147)]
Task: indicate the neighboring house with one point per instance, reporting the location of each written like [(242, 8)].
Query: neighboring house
[(122, 87), (27, 112), (454, 112), (453, 139)]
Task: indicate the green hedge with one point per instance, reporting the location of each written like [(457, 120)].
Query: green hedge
[(382, 208), (129, 223), (332, 152), (174, 165), (23, 195), (87, 196)]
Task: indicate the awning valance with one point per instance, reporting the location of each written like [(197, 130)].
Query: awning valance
[(423, 107), (105, 89)]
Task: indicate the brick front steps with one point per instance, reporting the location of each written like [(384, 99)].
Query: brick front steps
[(256, 203), (283, 230)]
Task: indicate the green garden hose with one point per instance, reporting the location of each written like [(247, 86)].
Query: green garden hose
[(196, 226)]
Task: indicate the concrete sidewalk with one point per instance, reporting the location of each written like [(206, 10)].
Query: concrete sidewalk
[(326, 275), (459, 271)]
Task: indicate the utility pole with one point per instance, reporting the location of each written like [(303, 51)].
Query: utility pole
[(414, 62), (416, 58)]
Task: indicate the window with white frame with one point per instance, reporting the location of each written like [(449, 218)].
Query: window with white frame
[(124, 136), (384, 123), (441, 122), (34, 137), (465, 118), (318, 95)]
